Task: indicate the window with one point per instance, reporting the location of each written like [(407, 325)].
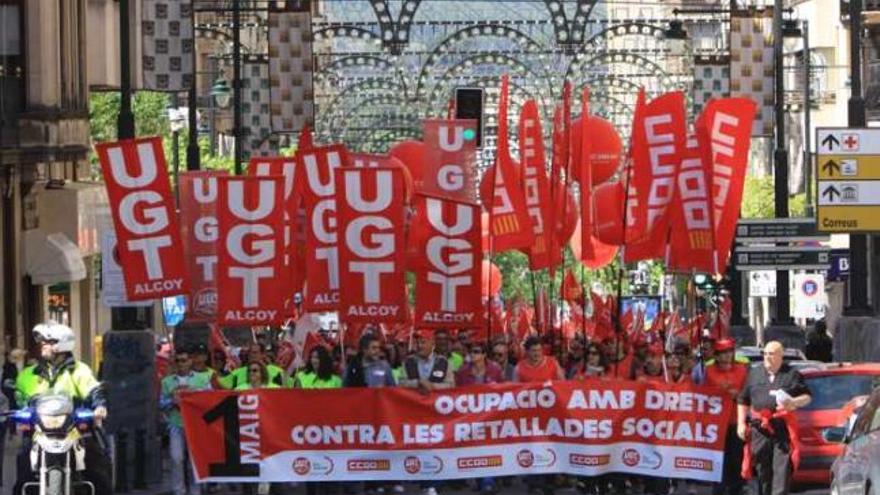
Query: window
[(11, 68), (866, 417), (834, 391), (875, 420)]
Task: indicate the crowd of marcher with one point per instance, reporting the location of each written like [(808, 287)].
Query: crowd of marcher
[(438, 360)]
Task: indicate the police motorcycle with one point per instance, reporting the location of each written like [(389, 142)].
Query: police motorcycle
[(57, 454)]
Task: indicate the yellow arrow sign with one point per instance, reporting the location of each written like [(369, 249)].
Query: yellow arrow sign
[(848, 167), (848, 219)]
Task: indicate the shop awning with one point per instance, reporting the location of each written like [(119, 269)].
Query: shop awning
[(52, 258)]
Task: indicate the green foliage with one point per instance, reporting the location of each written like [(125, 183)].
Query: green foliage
[(758, 199), (151, 119)]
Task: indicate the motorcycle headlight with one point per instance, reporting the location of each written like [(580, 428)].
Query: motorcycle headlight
[(53, 411), (53, 422)]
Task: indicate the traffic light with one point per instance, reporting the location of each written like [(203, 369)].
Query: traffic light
[(469, 105)]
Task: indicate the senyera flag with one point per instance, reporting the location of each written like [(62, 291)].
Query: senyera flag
[(692, 238), (253, 289), (199, 228), (502, 194), (294, 215), (658, 143), (317, 167), (586, 428), (450, 160), (371, 246), (724, 138), (149, 244), (535, 184), (449, 278)]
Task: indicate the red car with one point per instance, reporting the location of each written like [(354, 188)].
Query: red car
[(832, 387)]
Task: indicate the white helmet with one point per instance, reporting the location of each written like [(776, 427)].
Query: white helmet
[(62, 335)]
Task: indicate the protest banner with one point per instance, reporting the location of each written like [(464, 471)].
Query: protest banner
[(584, 428)]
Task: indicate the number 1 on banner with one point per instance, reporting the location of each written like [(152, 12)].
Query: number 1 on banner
[(227, 409)]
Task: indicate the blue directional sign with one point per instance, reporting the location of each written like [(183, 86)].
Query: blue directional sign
[(174, 309)]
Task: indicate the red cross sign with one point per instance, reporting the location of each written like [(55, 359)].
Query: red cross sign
[(850, 142)]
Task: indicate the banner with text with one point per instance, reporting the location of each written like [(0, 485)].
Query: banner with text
[(448, 276), (371, 246), (582, 428), (250, 214), (149, 248), (318, 166), (198, 226)]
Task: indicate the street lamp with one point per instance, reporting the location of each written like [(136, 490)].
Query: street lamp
[(677, 37), (221, 92)]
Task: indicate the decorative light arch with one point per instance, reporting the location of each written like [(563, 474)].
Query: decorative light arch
[(372, 84), (569, 34), (395, 33), (516, 65), (352, 61), (608, 58), (634, 28), (372, 101), (470, 32), (353, 32)]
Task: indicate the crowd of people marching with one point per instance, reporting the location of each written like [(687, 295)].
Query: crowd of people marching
[(436, 360)]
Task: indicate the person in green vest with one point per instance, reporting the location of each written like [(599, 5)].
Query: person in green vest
[(443, 347), (258, 378), (57, 372), (184, 378), (201, 359), (318, 371), (255, 354)]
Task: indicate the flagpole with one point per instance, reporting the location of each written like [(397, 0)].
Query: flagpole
[(618, 330)]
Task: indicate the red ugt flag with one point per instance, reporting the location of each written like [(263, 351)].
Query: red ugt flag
[(251, 215), (149, 245), (371, 254), (449, 278)]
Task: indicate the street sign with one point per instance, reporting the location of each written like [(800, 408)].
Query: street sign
[(848, 180), (765, 230), (809, 296), (762, 283), (173, 309), (839, 265), (782, 258)]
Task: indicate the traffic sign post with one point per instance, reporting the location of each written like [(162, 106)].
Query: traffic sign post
[(782, 258), (848, 180), (767, 230)]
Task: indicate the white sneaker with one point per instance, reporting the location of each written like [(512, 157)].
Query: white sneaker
[(399, 489), (429, 491)]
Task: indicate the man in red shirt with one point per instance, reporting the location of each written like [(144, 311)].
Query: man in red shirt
[(537, 367), (730, 376), (652, 370), (620, 360)]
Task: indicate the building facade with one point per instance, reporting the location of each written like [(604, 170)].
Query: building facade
[(51, 217)]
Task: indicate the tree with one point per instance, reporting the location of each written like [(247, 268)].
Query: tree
[(151, 119)]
